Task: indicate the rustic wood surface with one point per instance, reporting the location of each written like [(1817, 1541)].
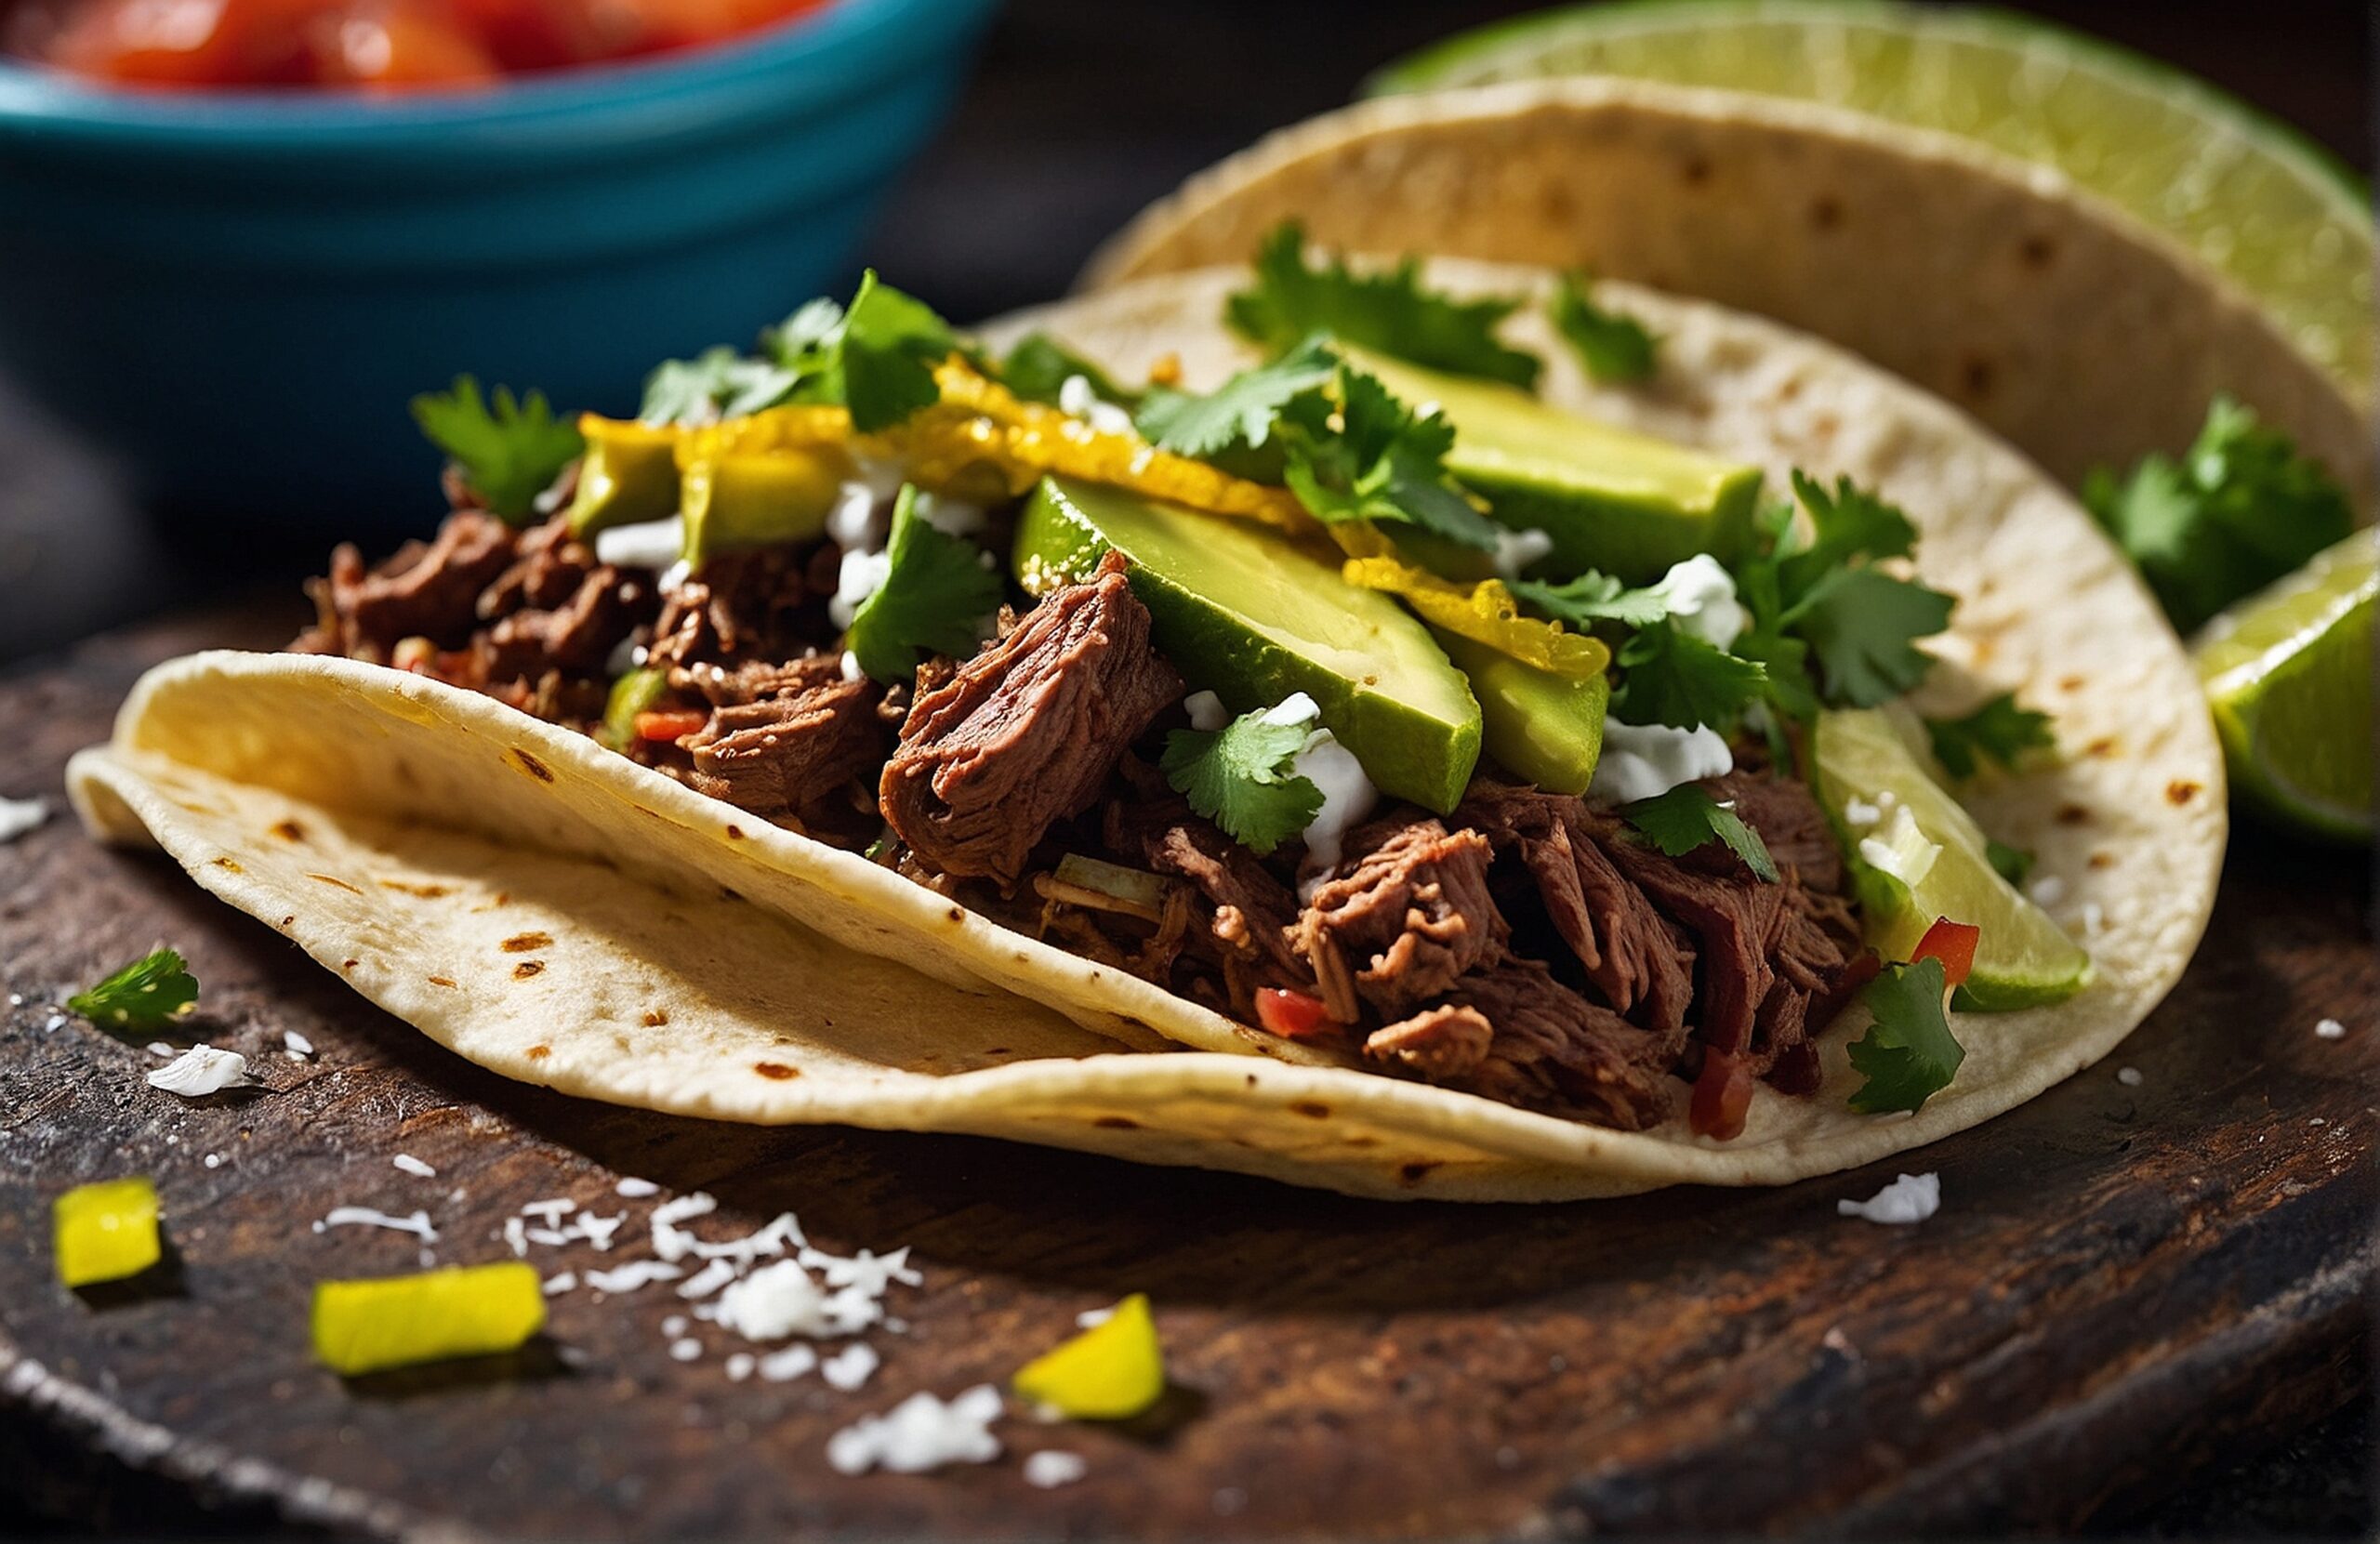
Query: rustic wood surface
[(2125, 1284)]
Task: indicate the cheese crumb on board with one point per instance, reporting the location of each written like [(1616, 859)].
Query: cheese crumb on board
[(919, 1434), (1910, 1198)]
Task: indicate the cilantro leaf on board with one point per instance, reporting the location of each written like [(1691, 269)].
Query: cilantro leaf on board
[(1387, 311), (1612, 346), (1385, 463), (1243, 777), (2012, 864), (1593, 598), (148, 994), (1039, 368), (937, 592), (507, 452), (1859, 624), (1999, 732), (1670, 676), (2239, 509), (1908, 1054), (1242, 413), (1687, 817)]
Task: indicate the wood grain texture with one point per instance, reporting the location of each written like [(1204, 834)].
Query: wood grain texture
[(2124, 1282)]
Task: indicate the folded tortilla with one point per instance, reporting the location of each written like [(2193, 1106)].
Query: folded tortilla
[(2063, 323), (560, 915)]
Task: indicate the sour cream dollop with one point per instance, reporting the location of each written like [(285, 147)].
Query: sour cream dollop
[(1347, 791), (647, 544), (1701, 595), (1646, 760)]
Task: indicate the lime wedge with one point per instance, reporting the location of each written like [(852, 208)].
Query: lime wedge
[(1112, 1371), (2288, 671), (2022, 959), (2251, 196)]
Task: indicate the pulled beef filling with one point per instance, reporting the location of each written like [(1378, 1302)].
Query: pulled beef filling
[(1528, 949)]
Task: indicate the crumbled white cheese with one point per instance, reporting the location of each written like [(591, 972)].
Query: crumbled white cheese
[(413, 1167), (200, 1070), (1901, 849), (296, 1044), (415, 1223), (1294, 709), (635, 1273), (1517, 549), (1859, 815), (598, 1231), (952, 517), (709, 1279), (852, 669), (551, 1212), (783, 1366), (1910, 1198), (685, 1350), (740, 1366), (851, 1368), (516, 1234), (1701, 597), (18, 816), (773, 1302), (674, 1325), (2046, 890), (553, 1238), (647, 544), (1646, 760), (1051, 1468), (1347, 796), (862, 574), (1077, 400), (160, 1048), (213, 1160), (636, 1189), (1091, 1318), (2129, 1077), (1207, 711), (558, 1284), (2095, 916), (851, 520), (921, 1434), (868, 1269), (2329, 1029), (675, 574)]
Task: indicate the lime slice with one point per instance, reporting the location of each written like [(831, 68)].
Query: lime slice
[(2251, 196), (2022, 959), (2288, 671), (1112, 1371)]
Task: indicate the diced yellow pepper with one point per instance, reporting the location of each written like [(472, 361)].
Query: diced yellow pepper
[(628, 473), (1112, 1371), (395, 1321), (1486, 613), (106, 1231)]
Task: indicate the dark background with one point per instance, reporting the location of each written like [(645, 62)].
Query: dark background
[(1082, 111)]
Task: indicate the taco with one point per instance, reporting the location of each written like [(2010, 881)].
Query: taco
[(1347, 743), (2061, 321)]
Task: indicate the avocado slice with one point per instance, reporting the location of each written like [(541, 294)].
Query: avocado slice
[(1547, 728), (1611, 499), (628, 474), (1245, 614), (760, 498)]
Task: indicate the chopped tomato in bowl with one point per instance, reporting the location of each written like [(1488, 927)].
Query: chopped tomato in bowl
[(367, 44)]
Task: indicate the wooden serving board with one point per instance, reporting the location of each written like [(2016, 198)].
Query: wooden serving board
[(2124, 1281)]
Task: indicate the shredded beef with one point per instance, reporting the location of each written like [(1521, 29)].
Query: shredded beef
[(557, 608), (1640, 961), (1545, 1048), (782, 739), (1248, 912), (427, 590), (1409, 914), (763, 604), (1027, 732)]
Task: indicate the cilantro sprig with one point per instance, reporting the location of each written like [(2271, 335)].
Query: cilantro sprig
[(1383, 462), (2012, 864), (2242, 507), (716, 383), (1687, 817), (1999, 732), (1611, 346), (1593, 598), (149, 994), (1670, 676), (935, 595), (1038, 367), (1244, 778), (509, 450), (1388, 311), (1908, 1054), (1242, 414), (876, 357)]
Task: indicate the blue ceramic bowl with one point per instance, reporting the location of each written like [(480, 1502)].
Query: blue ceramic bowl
[(234, 296)]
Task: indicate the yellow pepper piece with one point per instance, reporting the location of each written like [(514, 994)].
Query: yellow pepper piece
[(630, 473), (394, 1321), (739, 486), (1111, 1371), (106, 1231), (1484, 613)]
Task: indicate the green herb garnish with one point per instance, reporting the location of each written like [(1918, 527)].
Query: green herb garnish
[(1242, 777), (1242, 414), (148, 994), (2012, 864), (1670, 676), (1908, 1054), (508, 450), (1687, 817), (1612, 347), (934, 598), (1039, 368), (1999, 732), (1380, 461)]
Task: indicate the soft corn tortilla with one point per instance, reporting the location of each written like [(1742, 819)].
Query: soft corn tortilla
[(561, 916), (2063, 323)]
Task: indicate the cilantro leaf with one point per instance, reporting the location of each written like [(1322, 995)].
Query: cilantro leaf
[(1389, 312), (1908, 1054), (2012, 864), (812, 327), (1594, 597), (1039, 368), (1858, 623), (1613, 346), (1687, 817), (1998, 731), (508, 451), (718, 383), (1847, 524), (1244, 411), (1243, 777), (1385, 463), (2239, 509), (935, 592), (877, 360), (1670, 676), (148, 994)]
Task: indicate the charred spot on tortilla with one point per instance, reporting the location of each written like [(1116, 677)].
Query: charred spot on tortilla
[(2102, 747), (442, 980), (734, 832), (1976, 375), (2071, 683), (334, 880), (288, 921), (2073, 814), (1415, 1172), (1695, 171), (775, 1071), (655, 1017), (349, 964), (1826, 212), (289, 830), (2102, 859), (539, 1053), (958, 914), (531, 765), (522, 944), (526, 968), (2182, 790), (408, 887), (2037, 251), (230, 865), (1311, 1109), (1118, 1123)]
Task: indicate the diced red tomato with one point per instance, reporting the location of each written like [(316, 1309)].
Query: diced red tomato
[(1952, 943), (392, 44), (1293, 1015), (669, 723), (1722, 1096)]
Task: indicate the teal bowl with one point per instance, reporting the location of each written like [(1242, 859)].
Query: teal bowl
[(232, 296)]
